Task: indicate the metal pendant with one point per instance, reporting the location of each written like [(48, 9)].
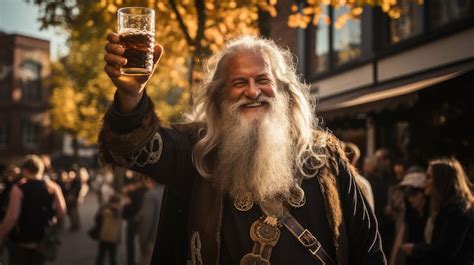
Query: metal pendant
[(265, 233), (253, 259), (244, 202), (296, 198)]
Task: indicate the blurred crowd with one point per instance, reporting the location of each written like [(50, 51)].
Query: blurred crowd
[(38, 203), (423, 211)]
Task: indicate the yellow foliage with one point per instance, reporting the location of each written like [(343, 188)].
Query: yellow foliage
[(312, 10), (82, 91), (112, 8)]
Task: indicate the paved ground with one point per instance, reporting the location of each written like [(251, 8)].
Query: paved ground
[(77, 248)]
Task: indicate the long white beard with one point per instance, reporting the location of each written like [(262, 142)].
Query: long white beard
[(256, 155)]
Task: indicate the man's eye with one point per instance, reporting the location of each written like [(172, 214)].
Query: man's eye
[(264, 81), (239, 84)]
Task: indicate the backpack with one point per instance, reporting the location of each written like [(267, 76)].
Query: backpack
[(48, 246), (94, 232)]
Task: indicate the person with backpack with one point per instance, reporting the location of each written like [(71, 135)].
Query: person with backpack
[(33, 204), (109, 233)]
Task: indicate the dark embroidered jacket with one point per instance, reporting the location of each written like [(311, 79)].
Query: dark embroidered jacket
[(190, 223)]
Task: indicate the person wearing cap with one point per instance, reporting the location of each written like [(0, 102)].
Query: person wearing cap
[(450, 239), (410, 211)]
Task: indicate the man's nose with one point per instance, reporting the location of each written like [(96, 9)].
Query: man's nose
[(252, 90)]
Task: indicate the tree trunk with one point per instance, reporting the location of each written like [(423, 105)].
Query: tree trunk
[(75, 148), (264, 23)]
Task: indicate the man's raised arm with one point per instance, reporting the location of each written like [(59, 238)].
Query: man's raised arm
[(131, 136)]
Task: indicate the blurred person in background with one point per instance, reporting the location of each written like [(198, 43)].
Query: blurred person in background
[(382, 180), (10, 177), (451, 240), (148, 219), (48, 168), (106, 189), (84, 178), (33, 204), (409, 207), (368, 166), (134, 191), (110, 231), (399, 169), (71, 187), (353, 154)]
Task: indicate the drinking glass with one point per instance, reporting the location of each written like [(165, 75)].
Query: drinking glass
[(136, 29)]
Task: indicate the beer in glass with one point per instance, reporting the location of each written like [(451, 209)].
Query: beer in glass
[(136, 29)]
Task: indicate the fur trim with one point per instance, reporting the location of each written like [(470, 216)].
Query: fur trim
[(139, 147), (193, 130), (333, 201), (331, 149)]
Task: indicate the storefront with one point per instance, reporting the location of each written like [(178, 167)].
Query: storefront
[(417, 118)]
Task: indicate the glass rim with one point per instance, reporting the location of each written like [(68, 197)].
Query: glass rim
[(122, 9)]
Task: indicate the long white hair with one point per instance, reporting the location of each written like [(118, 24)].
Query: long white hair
[(207, 104)]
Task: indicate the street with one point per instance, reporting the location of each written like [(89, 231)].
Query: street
[(77, 248)]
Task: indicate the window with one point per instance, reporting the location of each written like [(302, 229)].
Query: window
[(337, 39), (347, 36), (30, 78), (3, 136), (410, 22), (31, 135), (5, 73), (444, 12), (321, 46)]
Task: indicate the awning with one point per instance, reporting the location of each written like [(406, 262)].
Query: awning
[(388, 95)]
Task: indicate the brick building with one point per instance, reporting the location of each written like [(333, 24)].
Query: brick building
[(24, 97)]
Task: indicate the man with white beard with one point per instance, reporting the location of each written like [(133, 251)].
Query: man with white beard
[(250, 178)]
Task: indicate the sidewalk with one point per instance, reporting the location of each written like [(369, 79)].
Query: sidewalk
[(77, 248)]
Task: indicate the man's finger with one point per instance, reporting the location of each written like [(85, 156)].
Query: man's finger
[(113, 59), (113, 37), (112, 71), (114, 48)]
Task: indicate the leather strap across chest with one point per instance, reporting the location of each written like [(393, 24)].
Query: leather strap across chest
[(265, 236), (307, 240)]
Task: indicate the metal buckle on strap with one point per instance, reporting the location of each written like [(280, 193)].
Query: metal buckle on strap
[(316, 250), (307, 239)]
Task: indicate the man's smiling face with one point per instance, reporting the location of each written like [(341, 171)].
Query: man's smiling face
[(250, 84)]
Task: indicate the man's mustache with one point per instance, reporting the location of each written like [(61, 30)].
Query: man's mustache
[(245, 101)]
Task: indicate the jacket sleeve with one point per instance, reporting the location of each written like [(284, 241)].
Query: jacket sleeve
[(452, 227), (364, 241), (138, 142)]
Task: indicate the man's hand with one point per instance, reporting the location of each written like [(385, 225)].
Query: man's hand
[(129, 88)]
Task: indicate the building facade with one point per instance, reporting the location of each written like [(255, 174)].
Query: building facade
[(24, 98), (403, 84)]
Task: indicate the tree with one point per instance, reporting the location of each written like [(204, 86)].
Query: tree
[(189, 30), (78, 111), (81, 91)]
